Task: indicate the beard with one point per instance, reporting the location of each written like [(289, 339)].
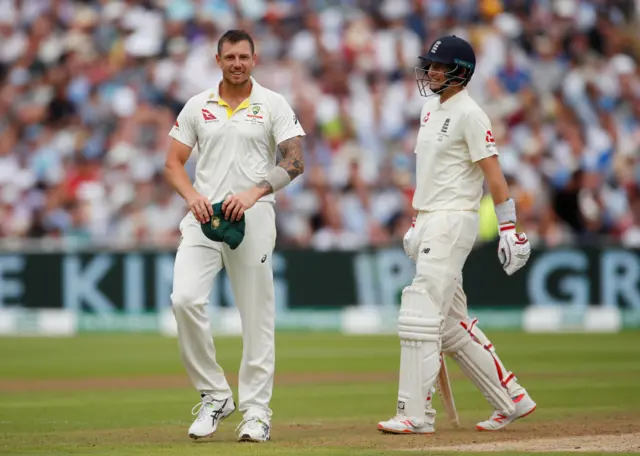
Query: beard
[(435, 86)]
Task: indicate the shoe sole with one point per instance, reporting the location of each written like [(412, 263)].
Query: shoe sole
[(480, 428), (220, 420), (247, 438), (404, 431)]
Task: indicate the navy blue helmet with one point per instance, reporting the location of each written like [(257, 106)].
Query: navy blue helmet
[(459, 58)]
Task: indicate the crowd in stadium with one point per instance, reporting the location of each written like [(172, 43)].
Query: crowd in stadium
[(90, 89)]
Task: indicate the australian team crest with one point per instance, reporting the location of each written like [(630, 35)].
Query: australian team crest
[(256, 112), (215, 222)]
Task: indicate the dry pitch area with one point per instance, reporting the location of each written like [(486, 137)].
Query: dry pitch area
[(128, 395)]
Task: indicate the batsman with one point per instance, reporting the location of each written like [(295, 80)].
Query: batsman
[(455, 154)]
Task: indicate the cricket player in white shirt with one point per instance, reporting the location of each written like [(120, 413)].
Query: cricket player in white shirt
[(236, 126), (455, 154)]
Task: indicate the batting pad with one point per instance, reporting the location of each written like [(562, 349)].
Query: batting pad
[(429, 411), (419, 325), (478, 363), (507, 379)]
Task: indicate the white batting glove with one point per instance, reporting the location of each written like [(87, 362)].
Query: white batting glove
[(513, 249), (406, 241)]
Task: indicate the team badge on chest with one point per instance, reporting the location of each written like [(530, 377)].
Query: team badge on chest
[(444, 131), (445, 125), (255, 113)]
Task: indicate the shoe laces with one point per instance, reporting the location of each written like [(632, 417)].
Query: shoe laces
[(251, 422), (406, 420), (202, 409)]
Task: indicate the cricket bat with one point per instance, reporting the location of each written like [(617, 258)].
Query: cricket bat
[(446, 394)]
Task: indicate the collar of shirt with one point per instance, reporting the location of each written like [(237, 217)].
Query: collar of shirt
[(455, 100), (256, 96)]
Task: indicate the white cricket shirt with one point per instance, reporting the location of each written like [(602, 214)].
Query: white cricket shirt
[(453, 137), (236, 149)]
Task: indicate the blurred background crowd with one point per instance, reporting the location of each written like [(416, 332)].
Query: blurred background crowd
[(90, 89)]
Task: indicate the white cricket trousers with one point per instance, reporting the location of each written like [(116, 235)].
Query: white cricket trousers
[(250, 272), (444, 240)]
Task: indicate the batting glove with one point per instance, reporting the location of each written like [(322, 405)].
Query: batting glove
[(513, 249), (406, 241)]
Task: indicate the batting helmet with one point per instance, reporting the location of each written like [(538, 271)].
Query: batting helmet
[(459, 58)]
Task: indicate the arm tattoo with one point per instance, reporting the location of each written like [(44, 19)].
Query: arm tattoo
[(265, 186), (292, 160)]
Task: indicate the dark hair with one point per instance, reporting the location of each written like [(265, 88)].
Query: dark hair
[(235, 36)]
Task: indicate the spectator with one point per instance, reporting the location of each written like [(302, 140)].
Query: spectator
[(89, 90)]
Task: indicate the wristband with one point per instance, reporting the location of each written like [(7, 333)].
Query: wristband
[(278, 178), (506, 212)]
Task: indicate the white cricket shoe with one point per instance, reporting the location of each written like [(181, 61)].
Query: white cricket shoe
[(254, 429), (524, 406), (400, 424), (209, 413)]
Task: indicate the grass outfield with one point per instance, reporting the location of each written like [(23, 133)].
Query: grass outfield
[(129, 395)]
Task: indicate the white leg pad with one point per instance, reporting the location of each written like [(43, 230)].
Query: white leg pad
[(507, 378), (478, 363), (429, 411), (419, 326)]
